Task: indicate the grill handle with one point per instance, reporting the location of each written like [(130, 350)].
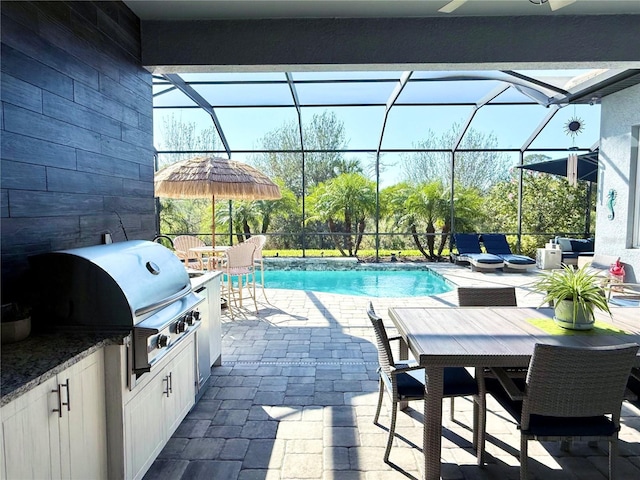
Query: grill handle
[(165, 302)]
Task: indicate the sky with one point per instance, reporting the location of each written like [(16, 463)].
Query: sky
[(406, 124)]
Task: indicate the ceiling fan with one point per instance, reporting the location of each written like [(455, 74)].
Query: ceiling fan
[(553, 4)]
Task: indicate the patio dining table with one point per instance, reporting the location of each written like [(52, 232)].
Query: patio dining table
[(209, 251), (489, 337)]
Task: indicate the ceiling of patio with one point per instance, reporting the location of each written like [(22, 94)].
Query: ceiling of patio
[(246, 9)]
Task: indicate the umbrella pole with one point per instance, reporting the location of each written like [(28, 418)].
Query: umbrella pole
[(213, 221)]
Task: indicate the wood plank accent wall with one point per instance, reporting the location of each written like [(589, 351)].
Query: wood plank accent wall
[(77, 131)]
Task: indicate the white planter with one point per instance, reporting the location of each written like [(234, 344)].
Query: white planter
[(564, 316)]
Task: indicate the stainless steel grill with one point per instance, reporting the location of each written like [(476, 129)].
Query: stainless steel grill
[(135, 286)]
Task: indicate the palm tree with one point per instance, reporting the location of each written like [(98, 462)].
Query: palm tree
[(344, 203), (270, 209), (418, 206), (468, 212)]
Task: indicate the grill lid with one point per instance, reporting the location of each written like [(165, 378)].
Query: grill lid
[(119, 284)]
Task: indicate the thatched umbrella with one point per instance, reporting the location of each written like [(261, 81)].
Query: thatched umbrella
[(218, 178)]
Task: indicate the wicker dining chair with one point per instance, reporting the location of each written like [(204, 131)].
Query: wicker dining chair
[(487, 297), (258, 241), (404, 382), (570, 393), (182, 245), (238, 262)]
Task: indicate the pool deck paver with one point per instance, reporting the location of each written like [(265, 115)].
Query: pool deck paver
[(296, 393)]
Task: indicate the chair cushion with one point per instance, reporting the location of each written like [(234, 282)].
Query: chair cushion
[(409, 386), (565, 244), (544, 426), (457, 382), (496, 243), (518, 259), (579, 245), (467, 243), (486, 258)]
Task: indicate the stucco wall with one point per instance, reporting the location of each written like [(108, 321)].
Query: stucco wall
[(77, 136), (618, 163)]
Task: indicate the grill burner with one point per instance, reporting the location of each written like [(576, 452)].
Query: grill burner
[(135, 286)]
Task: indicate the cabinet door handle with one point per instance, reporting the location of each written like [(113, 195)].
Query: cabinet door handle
[(168, 390), (68, 404), (59, 393), (170, 382)]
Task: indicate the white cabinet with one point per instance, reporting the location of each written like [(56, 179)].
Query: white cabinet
[(215, 322), (144, 427), (83, 434), (31, 433), (153, 411), (58, 429), (181, 379)]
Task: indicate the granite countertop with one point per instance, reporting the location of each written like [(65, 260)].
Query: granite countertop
[(200, 277), (30, 362)]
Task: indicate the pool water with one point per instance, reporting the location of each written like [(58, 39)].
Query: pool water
[(370, 283)]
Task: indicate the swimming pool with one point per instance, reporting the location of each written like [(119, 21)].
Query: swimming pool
[(369, 283)]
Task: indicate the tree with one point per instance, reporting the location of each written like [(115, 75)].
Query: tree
[(287, 206), (480, 169), (179, 135), (345, 203), (324, 132), (427, 207), (549, 204), (184, 215), (256, 216)]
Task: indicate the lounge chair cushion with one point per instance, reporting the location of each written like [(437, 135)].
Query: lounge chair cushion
[(468, 246), (467, 243), (518, 259), (485, 258), (496, 244)]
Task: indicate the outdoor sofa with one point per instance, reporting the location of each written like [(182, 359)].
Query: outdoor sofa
[(572, 248)]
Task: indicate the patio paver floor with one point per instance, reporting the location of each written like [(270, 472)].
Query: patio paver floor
[(296, 393)]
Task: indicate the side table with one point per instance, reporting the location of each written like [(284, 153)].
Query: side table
[(548, 258)]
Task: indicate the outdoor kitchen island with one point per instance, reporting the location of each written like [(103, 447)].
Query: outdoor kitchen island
[(144, 411), (68, 413)]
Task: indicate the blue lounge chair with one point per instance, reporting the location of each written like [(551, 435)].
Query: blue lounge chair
[(468, 246), (496, 243)]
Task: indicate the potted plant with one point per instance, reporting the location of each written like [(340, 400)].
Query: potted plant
[(575, 294)]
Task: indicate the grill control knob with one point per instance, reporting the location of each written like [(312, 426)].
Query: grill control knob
[(196, 315), (162, 341), (189, 318), (181, 326)]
